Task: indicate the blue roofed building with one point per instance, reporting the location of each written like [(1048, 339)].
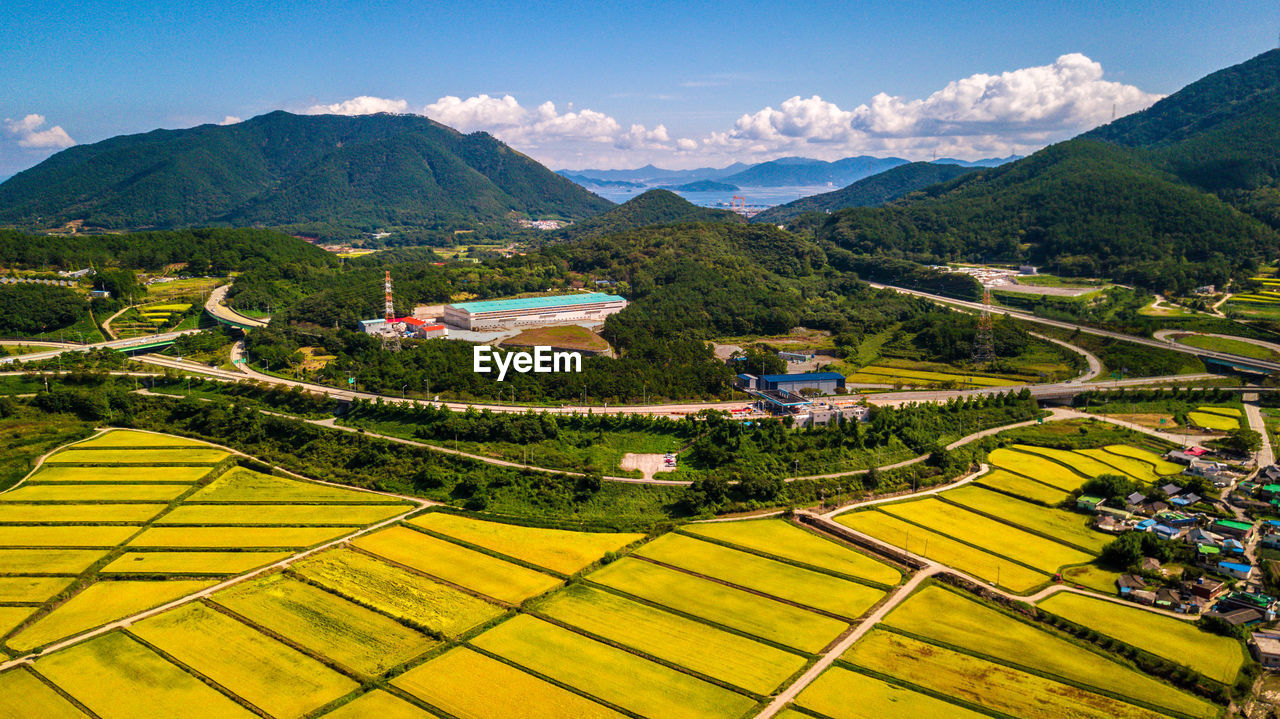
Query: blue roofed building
[(818, 382), (591, 307)]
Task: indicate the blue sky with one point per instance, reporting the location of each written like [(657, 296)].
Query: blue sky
[(681, 84)]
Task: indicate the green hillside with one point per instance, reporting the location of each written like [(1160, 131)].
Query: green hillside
[(868, 192), (1093, 206), (280, 169), (654, 207)]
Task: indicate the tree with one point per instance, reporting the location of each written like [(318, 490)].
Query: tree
[(1243, 441), (1109, 486)]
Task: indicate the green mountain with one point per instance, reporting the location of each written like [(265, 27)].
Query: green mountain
[(654, 207), (786, 171), (1220, 133), (867, 192), (280, 169), (1128, 201)]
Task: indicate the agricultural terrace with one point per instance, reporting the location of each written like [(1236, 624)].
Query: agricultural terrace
[(114, 525), (425, 610)]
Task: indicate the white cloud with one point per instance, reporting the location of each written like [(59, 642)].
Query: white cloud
[(31, 136), (1017, 111), (230, 120), (546, 128), (363, 105), (1014, 112)]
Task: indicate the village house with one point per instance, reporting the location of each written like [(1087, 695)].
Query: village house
[(1266, 648), (1233, 528)]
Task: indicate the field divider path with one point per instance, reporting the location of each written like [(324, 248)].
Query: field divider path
[(786, 696)]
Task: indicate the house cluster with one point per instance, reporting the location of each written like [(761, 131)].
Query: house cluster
[(1202, 595), (1198, 464), (1169, 517)]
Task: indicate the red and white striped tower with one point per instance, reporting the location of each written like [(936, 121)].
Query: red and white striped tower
[(390, 308)]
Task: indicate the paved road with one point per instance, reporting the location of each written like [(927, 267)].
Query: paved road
[(1168, 336), (1266, 456), (1226, 357), (1095, 364), (214, 306), (111, 344)]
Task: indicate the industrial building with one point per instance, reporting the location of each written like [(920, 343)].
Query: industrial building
[(531, 311), (818, 382), (407, 326)]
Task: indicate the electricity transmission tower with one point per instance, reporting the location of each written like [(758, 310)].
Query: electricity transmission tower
[(984, 343)]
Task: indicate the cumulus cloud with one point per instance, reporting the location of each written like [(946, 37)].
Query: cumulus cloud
[(32, 133), (230, 120), (1016, 111), (363, 105), (983, 115)]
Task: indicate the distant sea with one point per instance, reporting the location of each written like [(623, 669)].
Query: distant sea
[(756, 196)]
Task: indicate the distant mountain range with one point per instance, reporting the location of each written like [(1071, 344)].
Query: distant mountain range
[(703, 186), (782, 172), (281, 169)]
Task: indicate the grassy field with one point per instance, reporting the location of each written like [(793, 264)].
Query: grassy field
[(988, 534), (103, 675), (1036, 467), (292, 514), (128, 439), (649, 689), (246, 485), (237, 537), (1230, 346), (1081, 463), (785, 581), (205, 563), (13, 535), (119, 475), (731, 658), (31, 589), (101, 603), (1162, 466), (1070, 527), (1212, 421), (269, 674), (1021, 486), (28, 434), (479, 572), (555, 549), (984, 683), (569, 337), (983, 565), (396, 591), (77, 513), (945, 616), (94, 493), (347, 634), (1136, 468), (1093, 577), (138, 456), (49, 561), (21, 692), (377, 703), (461, 682), (784, 539), (1212, 655), (734, 608), (831, 694)]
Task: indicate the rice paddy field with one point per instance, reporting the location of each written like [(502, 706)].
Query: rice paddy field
[(440, 614), (1034, 466), (1218, 419), (82, 544), (1214, 656), (1024, 487)]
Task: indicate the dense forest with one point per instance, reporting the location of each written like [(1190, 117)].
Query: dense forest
[(868, 192), (654, 207)]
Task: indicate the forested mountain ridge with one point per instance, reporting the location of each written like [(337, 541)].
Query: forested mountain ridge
[(1091, 206), (869, 191), (280, 169), (652, 207)]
